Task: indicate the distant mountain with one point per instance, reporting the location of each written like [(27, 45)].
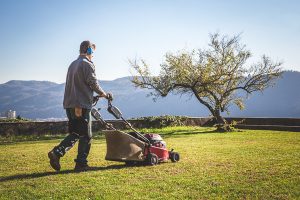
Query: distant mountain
[(43, 99), (32, 99), (282, 100)]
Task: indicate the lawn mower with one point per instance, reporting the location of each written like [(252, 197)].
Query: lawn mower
[(133, 148)]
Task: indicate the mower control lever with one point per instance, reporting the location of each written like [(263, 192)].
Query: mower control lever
[(109, 97)]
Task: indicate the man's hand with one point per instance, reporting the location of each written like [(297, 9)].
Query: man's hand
[(109, 96)]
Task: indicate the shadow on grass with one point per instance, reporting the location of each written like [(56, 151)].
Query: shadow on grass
[(186, 132), (20, 139), (44, 174), (96, 136)]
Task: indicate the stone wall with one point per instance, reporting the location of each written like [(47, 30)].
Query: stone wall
[(33, 128), (279, 124), (52, 128)]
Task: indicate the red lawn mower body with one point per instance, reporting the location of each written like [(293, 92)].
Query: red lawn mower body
[(158, 147)]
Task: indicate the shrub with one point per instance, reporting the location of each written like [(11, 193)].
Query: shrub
[(163, 121)]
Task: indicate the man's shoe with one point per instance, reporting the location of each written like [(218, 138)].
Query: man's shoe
[(81, 167), (54, 160)]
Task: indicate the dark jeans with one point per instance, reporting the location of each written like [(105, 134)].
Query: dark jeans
[(79, 129)]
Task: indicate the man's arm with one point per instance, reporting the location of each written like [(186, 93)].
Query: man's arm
[(91, 79)]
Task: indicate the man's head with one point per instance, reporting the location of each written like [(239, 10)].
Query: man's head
[(87, 48)]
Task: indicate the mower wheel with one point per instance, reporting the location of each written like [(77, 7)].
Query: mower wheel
[(174, 156), (152, 159)]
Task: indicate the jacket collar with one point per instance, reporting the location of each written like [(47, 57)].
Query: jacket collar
[(84, 57)]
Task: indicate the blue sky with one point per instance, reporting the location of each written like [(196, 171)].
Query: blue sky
[(40, 38)]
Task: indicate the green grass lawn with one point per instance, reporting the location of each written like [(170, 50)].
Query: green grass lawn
[(246, 164)]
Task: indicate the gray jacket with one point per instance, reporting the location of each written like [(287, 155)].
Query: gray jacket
[(80, 84)]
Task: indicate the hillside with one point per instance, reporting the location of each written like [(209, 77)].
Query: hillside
[(43, 99)]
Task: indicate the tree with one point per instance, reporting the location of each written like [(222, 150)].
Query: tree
[(212, 75)]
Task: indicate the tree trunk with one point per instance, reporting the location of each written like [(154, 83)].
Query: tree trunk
[(222, 125), (219, 118)]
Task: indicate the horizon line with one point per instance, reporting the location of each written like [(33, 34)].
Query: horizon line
[(288, 70)]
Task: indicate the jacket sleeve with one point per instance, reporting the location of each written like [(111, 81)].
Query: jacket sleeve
[(91, 79)]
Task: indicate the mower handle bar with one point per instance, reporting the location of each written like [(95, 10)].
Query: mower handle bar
[(96, 98)]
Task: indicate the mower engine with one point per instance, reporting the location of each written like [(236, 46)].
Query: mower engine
[(156, 140)]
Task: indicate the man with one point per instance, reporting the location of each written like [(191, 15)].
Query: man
[(81, 82)]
